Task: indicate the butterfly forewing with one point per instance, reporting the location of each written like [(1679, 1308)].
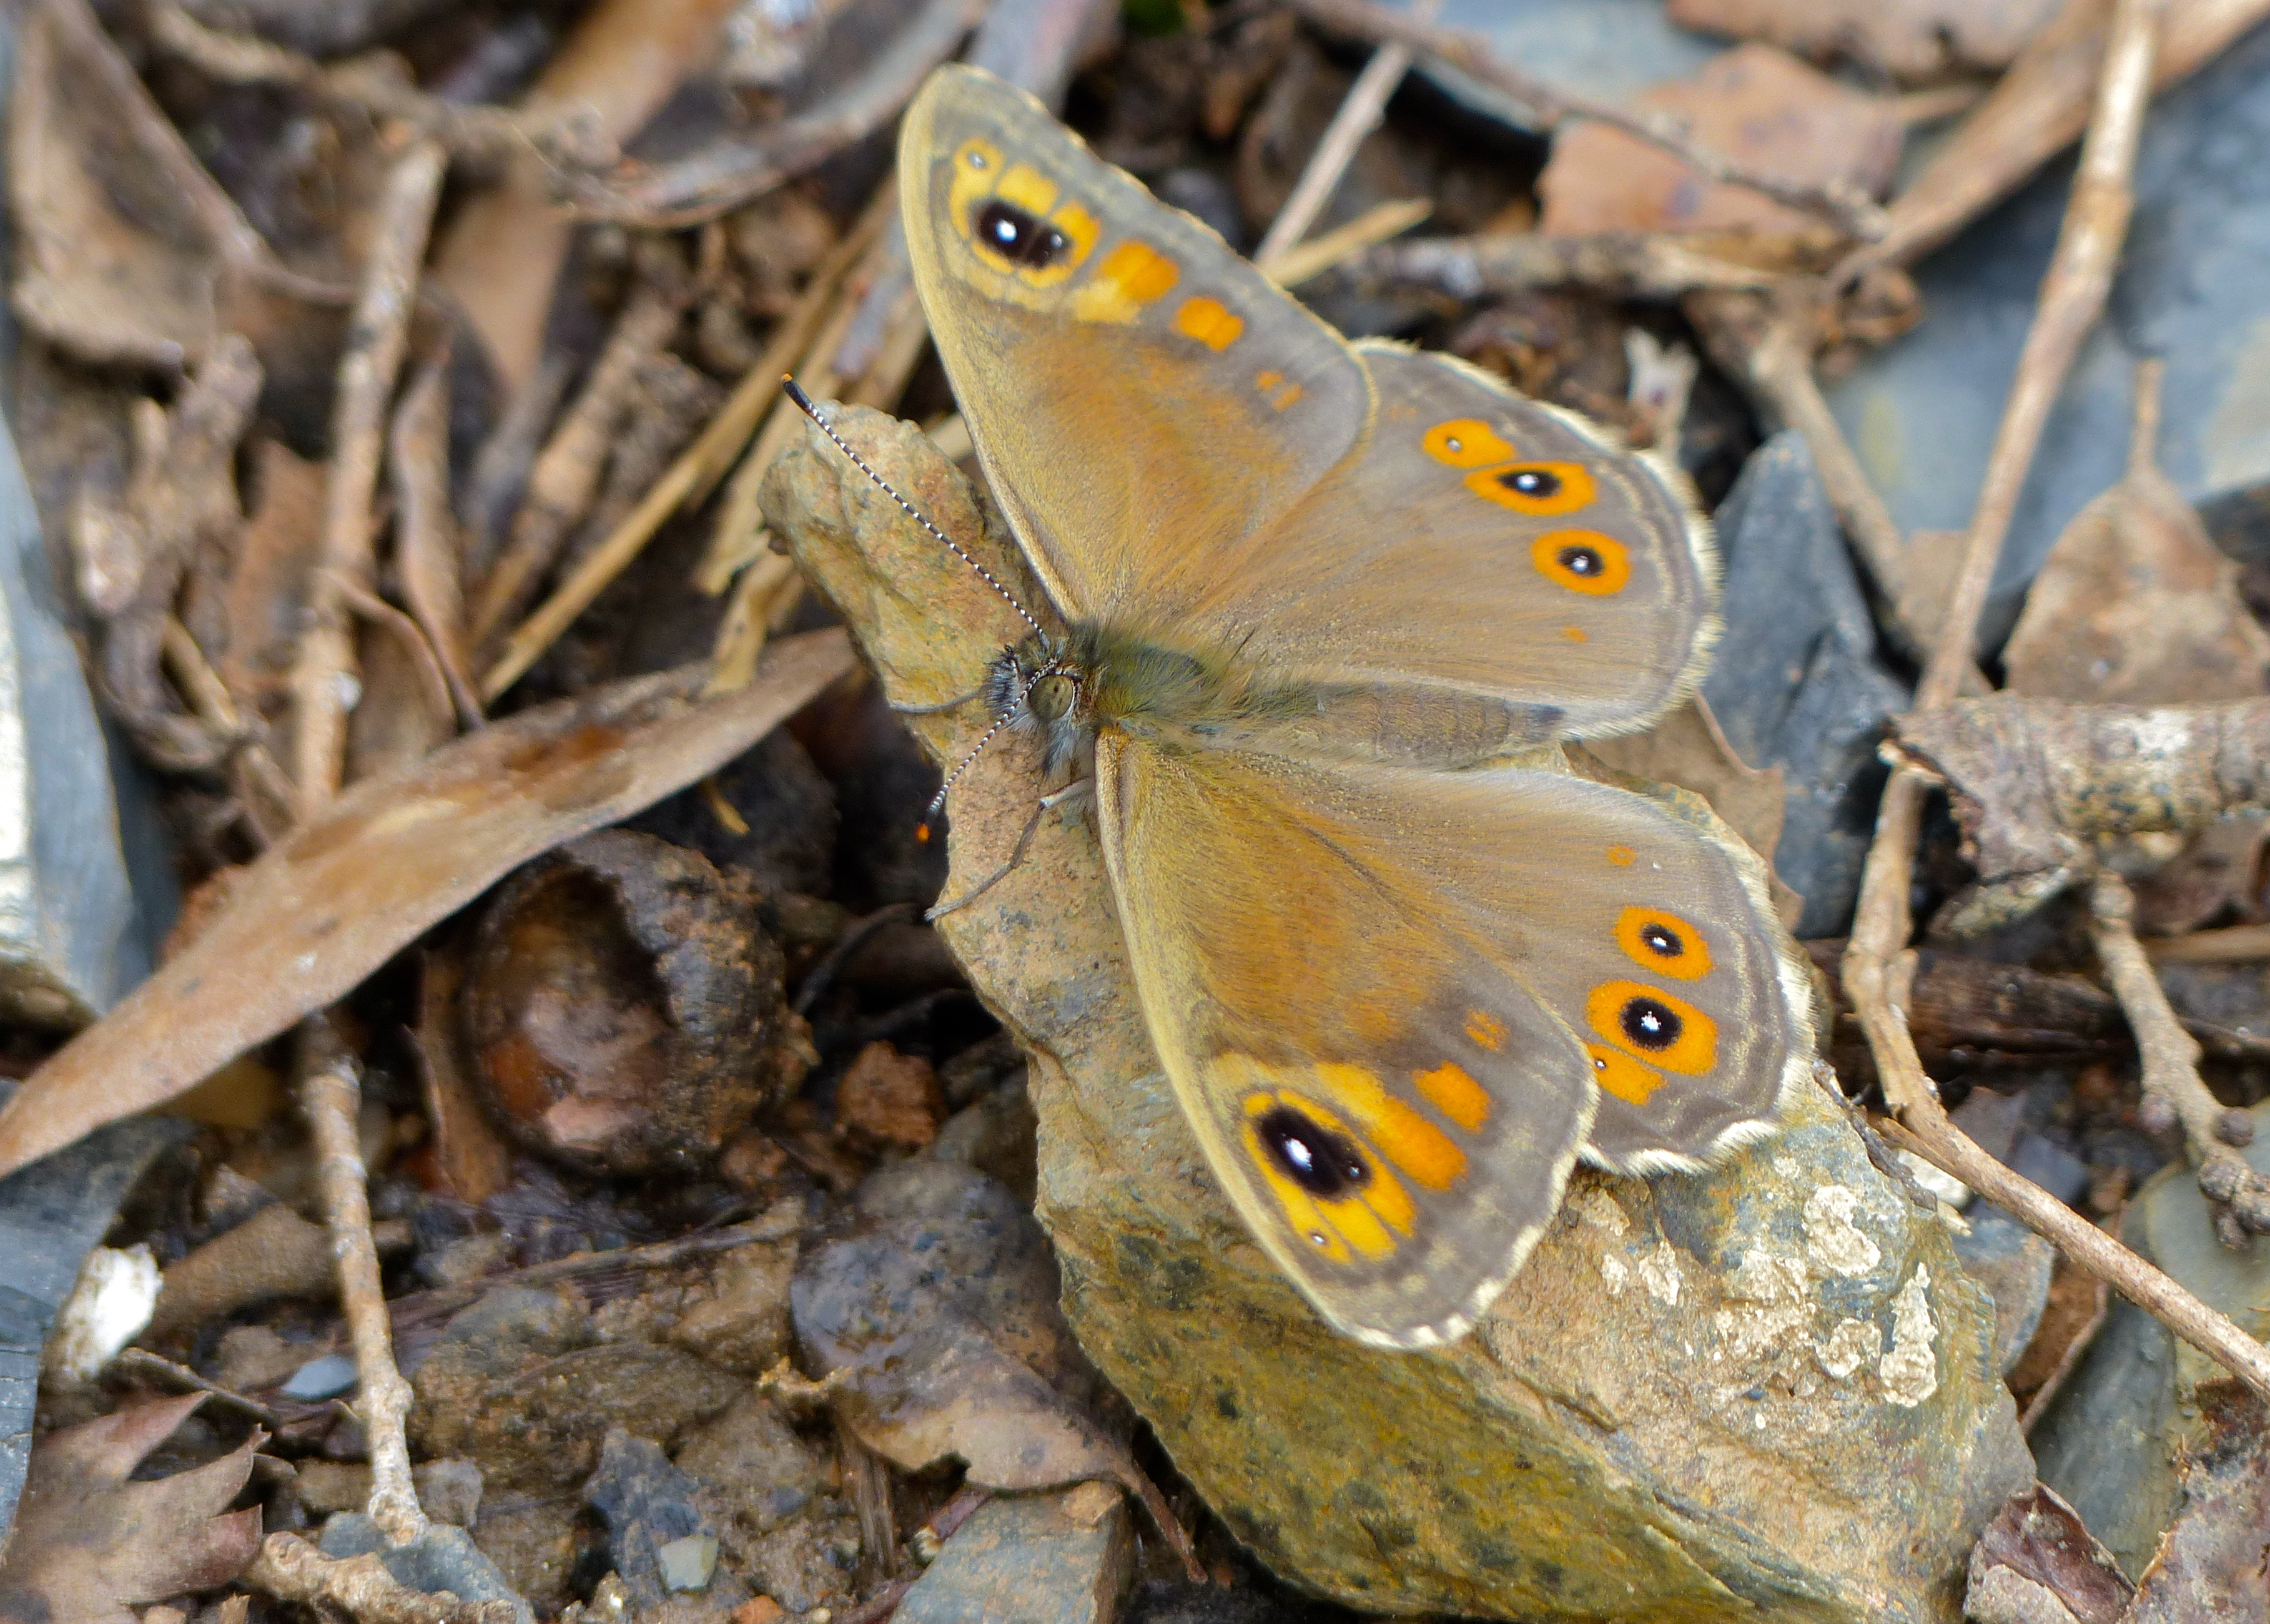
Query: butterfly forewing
[(1389, 1108), (1482, 557), (1143, 399)]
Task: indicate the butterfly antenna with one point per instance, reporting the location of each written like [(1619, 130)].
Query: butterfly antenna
[(804, 405)]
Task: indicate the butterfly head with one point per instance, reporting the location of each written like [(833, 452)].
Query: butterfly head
[(1041, 684)]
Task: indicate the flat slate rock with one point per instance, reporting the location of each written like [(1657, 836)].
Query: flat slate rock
[(1922, 413), (1055, 1558), (1795, 682), (1609, 48)]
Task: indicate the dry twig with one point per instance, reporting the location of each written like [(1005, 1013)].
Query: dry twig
[(565, 478), (357, 1587), (379, 87), (324, 673), (429, 552), (2033, 111), (697, 469), (1622, 264), (2172, 1088), (1358, 115), (330, 1093), (1855, 214), (1877, 963), (1767, 340)]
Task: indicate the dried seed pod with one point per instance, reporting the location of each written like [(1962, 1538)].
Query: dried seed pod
[(624, 1008)]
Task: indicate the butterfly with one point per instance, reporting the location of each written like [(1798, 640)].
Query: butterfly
[(1330, 612)]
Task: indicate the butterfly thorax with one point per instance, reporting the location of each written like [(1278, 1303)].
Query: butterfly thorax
[(1168, 694)]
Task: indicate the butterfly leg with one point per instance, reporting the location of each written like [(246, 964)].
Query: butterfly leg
[(1079, 790)]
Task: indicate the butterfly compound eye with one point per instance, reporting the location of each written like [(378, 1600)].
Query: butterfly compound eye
[(1320, 1161), (1052, 698), (1021, 238)]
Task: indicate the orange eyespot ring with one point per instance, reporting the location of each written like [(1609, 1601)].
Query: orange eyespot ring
[(1663, 943), (1466, 442), (1544, 490), (1653, 1026), (1620, 1075), (1581, 560), (1622, 856)]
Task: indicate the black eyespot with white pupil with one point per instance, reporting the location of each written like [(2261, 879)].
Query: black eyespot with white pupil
[(1320, 1161), (1649, 1023), (1580, 561), (1021, 238), (1661, 940), (1540, 483)]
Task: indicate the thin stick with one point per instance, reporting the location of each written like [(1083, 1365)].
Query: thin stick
[(1359, 113), (2091, 1249), (324, 673), (2170, 1057), (1768, 341), (1309, 260), (330, 1093), (2240, 944), (564, 479), (1851, 210), (358, 1587), (2071, 297), (1877, 966), (483, 135), (697, 469)]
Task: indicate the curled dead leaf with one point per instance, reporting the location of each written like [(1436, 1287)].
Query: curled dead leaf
[(89, 1541)]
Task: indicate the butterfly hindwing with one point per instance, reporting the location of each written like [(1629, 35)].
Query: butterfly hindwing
[(1142, 398), (1391, 1110)]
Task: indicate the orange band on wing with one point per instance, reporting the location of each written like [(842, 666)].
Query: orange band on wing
[(1620, 1075), (1466, 442)]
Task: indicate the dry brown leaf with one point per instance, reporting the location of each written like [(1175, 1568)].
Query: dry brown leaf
[(393, 856), (1911, 40), (1755, 105), (125, 241), (2039, 1541), (89, 1541), (2134, 606), (2210, 1562)]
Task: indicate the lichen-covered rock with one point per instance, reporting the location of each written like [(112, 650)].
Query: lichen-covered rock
[(1765, 1391)]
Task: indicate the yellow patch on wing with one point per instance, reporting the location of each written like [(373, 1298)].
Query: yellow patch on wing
[(1210, 322), (1402, 1135), (1622, 856), (1132, 275), (1485, 1029), (1620, 1075), (1653, 1026), (1457, 1096)]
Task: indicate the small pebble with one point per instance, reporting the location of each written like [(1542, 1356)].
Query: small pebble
[(2235, 1127), (687, 1563), (319, 1379)]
